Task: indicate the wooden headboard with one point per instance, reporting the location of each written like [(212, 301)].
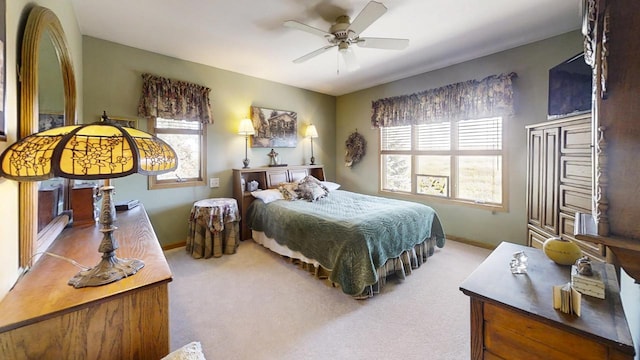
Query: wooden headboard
[(267, 178)]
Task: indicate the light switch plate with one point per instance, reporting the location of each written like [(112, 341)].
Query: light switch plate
[(214, 182)]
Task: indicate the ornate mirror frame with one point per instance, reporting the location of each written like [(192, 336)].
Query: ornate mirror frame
[(40, 22)]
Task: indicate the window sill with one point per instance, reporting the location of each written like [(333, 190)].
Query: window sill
[(430, 198), (154, 185)]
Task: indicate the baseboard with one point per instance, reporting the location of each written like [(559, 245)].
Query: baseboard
[(471, 242), (174, 246)]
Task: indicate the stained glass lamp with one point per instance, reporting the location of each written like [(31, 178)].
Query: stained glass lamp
[(96, 151)]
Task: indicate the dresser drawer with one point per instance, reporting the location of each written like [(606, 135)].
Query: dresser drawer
[(576, 170), (510, 335), (575, 138), (573, 199), (536, 237)]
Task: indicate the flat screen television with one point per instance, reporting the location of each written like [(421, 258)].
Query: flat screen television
[(570, 88)]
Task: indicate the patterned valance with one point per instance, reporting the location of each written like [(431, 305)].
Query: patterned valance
[(173, 99), (473, 99)]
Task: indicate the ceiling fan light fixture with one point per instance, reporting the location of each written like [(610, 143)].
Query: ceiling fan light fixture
[(349, 58), (344, 33)]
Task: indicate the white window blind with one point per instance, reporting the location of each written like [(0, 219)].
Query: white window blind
[(480, 134), (434, 136), (396, 138)]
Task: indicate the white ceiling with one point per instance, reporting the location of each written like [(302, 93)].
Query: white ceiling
[(247, 36)]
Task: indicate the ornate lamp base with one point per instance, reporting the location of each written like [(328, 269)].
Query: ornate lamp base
[(245, 162), (110, 268), (313, 160)]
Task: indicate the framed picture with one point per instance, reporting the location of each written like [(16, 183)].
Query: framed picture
[(48, 121), (125, 122), (433, 185), (274, 128), (3, 69)]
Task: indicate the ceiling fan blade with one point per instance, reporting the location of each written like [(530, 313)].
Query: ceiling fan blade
[(371, 12), (383, 43), (350, 59), (310, 29), (312, 54)]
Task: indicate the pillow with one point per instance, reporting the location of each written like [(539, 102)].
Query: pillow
[(311, 191), (289, 191), (268, 195), (309, 178), (191, 351), (330, 185)]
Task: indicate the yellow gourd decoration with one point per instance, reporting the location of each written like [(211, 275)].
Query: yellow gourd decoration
[(561, 251)]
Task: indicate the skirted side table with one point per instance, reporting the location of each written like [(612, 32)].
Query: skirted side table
[(213, 228)]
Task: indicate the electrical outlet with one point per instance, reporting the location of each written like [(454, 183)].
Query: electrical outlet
[(214, 182)]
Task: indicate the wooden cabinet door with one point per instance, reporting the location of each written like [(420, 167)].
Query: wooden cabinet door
[(535, 173), (542, 190), (550, 155)]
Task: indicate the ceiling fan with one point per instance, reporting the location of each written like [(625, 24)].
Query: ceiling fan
[(344, 33)]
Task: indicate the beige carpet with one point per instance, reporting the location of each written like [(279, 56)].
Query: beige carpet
[(255, 305)]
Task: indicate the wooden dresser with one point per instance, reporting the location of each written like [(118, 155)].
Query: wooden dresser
[(512, 316), (44, 318), (267, 178)]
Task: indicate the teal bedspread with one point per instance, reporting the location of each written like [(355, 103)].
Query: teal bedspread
[(348, 233)]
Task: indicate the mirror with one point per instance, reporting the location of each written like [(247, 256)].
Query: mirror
[(52, 193), (47, 92)]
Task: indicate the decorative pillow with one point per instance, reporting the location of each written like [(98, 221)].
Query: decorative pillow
[(311, 191), (330, 185), (268, 195), (309, 178), (191, 351), (289, 191)]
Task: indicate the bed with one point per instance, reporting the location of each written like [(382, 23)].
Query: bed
[(357, 240)]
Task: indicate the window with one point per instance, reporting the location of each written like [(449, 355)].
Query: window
[(188, 140), (460, 161)]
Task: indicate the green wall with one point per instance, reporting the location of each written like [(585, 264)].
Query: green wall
[(531, 63), (112, 82)]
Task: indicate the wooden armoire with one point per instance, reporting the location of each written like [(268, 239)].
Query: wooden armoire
[(560, 179), (612, 48)]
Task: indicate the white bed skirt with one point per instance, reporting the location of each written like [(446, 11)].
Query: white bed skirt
[(272, 244), (400, 266)]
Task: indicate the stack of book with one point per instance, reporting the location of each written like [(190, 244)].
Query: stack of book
[(567, 299), (587, 285)]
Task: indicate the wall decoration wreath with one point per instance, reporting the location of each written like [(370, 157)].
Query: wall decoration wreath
[(356, 148)]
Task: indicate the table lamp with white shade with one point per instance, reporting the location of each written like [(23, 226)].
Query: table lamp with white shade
[(246, 129), (311, 133)]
